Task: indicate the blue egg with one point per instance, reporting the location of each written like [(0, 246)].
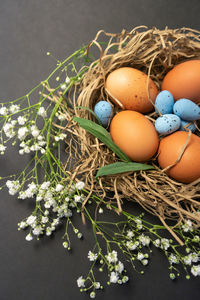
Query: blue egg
[(189, 127), (186, 110), (104, 112), (167, 124), (164, 103)]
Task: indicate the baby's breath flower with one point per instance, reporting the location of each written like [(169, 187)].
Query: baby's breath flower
[(42, 112), (130, 234), (144, 240), (31, 220), (14, 108), (125, 279), (44, 220), (34, 131), (29, 237), (59, 187), (92, 256), (195, 270), (13, 186), (119, 267), (80, 185), (3, 111), (60, 137), (9, 130), (45, 185), (112, 257), (81, 282), (63, 86), (97, 285), (21, 120), (37, 230), (156, 243), (132, 245), (173, 259), (92, 295), (145, 262), (77, 198), (22, 225), (140, 256), (67, 80), (165, 243), (172, 276), (114, 277), (22, 133), (65, 244), (100, 210), (2, 148), (187, 226)]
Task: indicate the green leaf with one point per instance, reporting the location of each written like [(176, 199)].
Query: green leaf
[(91, 111), (121, 167), (103, 135)]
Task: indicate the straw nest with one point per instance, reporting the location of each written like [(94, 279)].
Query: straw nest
[(154, 52)]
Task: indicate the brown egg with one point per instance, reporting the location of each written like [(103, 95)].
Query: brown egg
[(130, 89), (188, 168), (135, 135), (183, 81)]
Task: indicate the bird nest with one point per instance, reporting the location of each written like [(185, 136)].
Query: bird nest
[(154, 52)]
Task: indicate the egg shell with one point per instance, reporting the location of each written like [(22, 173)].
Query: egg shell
[(188, 168), (164, 102), (186, 127), (186, 110), (167, 124), (104, 112), (135, 135), (131, 89), (183, 81)]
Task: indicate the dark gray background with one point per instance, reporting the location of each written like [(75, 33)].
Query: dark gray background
[(28, 29)]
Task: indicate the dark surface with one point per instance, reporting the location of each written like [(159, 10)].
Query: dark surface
[(28, 29)]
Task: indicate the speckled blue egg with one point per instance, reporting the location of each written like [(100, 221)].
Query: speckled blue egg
[(186, 110), (189, 127), (104, 112), (167, 124), (164, 103)]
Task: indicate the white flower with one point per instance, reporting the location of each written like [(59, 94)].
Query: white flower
[(60, 137), (125, 279), (48, 231), (65, 245), (173, 259), (100, 210), (3, 111), (187, 226), (140, 256), (59, 187), (37, 230), (112, 257), (195, 270), (81, 282), (2, 148), (8, 130), (144, 240), (44, 219), (92, 256), (14, 108), (80, 185), (67, 80), (92, 295), (114, 277), (119, 267), (165, 243), (22, 133), (77, 198), (157, 243), (139, 223), (45, 185), (63, 86), (42, 112), (35, 131), (31, 220), (132, 245), (144, 262), (13, 186), (22, 225), (29, 237), (60, 116), (195, 257), (97, 285), (130, 234), (21, 120)]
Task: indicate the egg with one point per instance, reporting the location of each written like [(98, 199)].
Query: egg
[(164, 102), (186, 110), (135, 135), (170, 147), (186, 126), (167, 124), (104, 112), (130, 89), (183, 81)]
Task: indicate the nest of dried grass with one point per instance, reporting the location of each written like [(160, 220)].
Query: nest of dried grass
[(154, 52)]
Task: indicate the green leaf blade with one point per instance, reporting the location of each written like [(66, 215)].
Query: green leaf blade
[(103, 135), (122, 167)]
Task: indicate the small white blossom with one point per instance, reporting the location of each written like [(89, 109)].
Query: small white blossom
[(22, 133), (140, 256), (13, 186), (156, 243), (31, 220), (92, 256), (92, 295), (42, 112), (77, 198), (132, 245), (100, 210), (48, 231), (65, 245), (195, 270), (81, 282), (144, 240), (29, 237), (44, 220), (8, 130), (3, 111), (21, 120), (14, 108), (60, 137), (2, 148), (35, 131), (119, 267), (114, 277), (80, 185), (59, 187), (63, 86), (165, 243), (22, 225), (144, 262), (67, 80), (45, 185), (97, 285), (173, 259), (112, 257), (130, 234), (125, 279), (37, 230), (187, 226)]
